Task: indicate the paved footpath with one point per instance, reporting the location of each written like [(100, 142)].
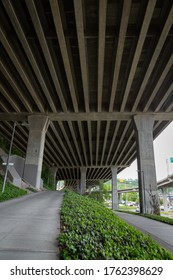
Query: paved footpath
[(162, 233), (29, 227)]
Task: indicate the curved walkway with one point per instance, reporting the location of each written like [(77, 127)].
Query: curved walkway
[(162, 233), (29, 227)]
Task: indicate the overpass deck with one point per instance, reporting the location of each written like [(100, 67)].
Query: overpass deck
[(90, 66)]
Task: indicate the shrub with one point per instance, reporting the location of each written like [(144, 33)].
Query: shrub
[(162, 219), (102, 194), (91, 231)]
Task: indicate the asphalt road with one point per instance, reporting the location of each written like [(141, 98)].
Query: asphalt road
[(29, 227)]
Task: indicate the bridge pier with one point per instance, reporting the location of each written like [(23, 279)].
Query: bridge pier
[(34, 156), (148, 193), (83, 171), (114, 188), (53, 171), (90, 188), (165, 203), (119, 198), (78, 186)]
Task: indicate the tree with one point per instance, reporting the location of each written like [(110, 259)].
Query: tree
[(101, 192)]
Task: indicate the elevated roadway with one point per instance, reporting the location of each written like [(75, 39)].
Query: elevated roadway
[(91, 79), (166, 182)]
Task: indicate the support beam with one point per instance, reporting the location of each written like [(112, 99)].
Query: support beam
[(79, 15), (34, 157), (114, 188), (92, 116), (90, 166), (83, 180), (149, 200)]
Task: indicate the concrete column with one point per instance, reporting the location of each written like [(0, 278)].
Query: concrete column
[(148, 192), (119, 197), (165, 202), (78, 186), (114, 188), (90, 188), (83, 180), (34, 156), (53, 171)]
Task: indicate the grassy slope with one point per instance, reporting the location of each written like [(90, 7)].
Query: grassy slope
[(91, 231), (10, 191)]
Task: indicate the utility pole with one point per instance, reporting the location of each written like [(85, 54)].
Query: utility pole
[(8, 158)]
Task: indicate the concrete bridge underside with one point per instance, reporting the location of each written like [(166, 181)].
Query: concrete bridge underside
[(94, 81)]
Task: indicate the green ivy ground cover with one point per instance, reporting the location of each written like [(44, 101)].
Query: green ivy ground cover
[(10, 191), (90, 231), (162, 219)]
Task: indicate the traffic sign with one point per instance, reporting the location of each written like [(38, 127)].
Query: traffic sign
[(171, 159)]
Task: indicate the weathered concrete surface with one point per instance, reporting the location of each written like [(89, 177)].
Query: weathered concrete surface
[(35, 149), (29, 227), (83, 180), (114, 188), (149, 200), (162, 233)]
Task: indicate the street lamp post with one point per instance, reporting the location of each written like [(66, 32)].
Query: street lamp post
[(8, 158)]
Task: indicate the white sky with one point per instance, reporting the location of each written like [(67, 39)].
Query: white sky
[(163, 148)]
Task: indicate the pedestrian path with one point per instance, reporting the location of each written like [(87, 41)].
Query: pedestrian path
[(29, 227), (162, 233)]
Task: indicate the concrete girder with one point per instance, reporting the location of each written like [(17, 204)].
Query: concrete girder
[(113, 141), (101, 51), (64, 51), (154, 58), (158, 85), (82, 141), (28, 51), (16, 88), (66, 136), (120, 47), (75, 142), (79, 15), (138, 50), (119, 144), (7, 95), (105, 140), (97, 141), (90, 141), (19, 67), (92, 116), (40, 33)]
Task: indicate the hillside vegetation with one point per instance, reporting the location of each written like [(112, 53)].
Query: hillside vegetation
[(91, 231), (10, 191)]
